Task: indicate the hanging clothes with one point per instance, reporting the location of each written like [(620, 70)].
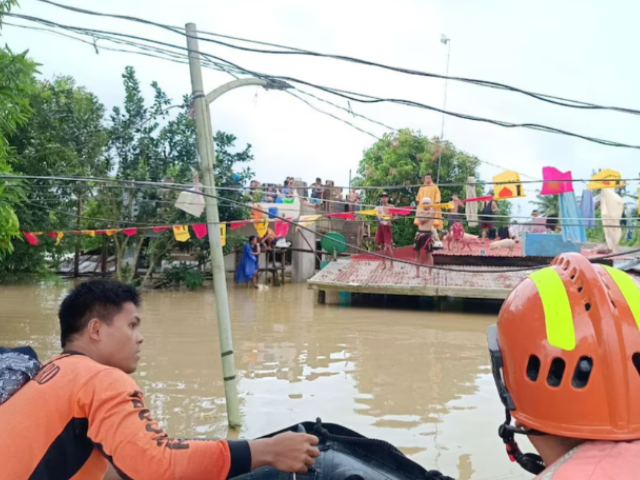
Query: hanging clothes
[(471, 208), (571, 230), (611, 206), (587, 209)]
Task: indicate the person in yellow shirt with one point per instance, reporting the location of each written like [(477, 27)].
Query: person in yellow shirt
[(430, 190)]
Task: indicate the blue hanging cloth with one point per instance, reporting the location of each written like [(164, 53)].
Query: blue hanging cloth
[(571, 231), (248, 265), (587, 209)]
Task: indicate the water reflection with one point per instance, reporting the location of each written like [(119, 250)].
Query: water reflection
[(416, 378)]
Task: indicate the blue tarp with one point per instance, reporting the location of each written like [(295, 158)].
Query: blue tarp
[(587, 209), (572, 231), (248, 265)]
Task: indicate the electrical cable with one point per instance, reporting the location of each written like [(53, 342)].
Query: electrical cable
[(347, 94), (297, 51), (189, 187), (355, 247)]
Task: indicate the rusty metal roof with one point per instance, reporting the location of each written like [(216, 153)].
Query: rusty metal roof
[(368, 276)]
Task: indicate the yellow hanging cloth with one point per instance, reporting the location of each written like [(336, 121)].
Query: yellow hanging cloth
[(223, 234), (262, 227), (181, 233)]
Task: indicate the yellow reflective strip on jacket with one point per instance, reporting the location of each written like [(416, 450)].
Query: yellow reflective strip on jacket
[(557, 309), (629, 289)]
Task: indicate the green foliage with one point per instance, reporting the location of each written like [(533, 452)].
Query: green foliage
[(403, 158), (63, 136), (547, 205), (184, 275), (56, 128), (16, 82), (146, 144)]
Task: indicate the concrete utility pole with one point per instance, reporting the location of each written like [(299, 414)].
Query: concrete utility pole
[(446, 41), (206, 150)]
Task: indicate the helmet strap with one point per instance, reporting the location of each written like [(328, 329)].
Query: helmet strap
[(531, 462)]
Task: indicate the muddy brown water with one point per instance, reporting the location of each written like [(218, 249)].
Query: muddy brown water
[(418, 379)]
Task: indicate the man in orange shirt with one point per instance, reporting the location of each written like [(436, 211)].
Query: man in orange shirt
[(83, 411)]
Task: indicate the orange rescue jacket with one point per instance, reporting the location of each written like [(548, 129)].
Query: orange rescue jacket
[(77, 414)]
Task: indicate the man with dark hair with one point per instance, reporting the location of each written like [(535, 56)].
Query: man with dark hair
[(82, 411)]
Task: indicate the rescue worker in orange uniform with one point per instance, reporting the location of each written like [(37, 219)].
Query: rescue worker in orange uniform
[(565, 355), (83, 411)]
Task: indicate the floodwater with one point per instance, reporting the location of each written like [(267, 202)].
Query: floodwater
[(418, 379)]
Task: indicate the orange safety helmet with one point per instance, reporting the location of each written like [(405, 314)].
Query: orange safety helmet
[(565, 353)]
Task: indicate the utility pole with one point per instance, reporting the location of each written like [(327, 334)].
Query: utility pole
[(76, 259), (446, 41), (206, 151)]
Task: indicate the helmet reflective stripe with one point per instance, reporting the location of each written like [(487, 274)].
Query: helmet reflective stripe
[(557, 309), (629, 290)]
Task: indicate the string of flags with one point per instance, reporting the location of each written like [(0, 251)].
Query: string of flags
[(555, 182)]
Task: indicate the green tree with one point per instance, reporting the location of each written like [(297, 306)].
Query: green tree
[(143, 150), (63, 136), (547, 205), (16, 83), (403, 158)]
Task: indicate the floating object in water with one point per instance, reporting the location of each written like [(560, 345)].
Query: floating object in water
[(347, 455)]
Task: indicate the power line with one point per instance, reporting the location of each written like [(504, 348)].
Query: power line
[(355, 247), (219, 67), (297, 51), (354, 96)]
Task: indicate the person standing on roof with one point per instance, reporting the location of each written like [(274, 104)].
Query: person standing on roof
[(82, 411), (565, 355), (431, 190), (425, 215), (384, 234)]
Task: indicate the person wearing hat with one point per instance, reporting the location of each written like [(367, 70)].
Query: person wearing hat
[(384, 234), (425, 216), (565, 356)]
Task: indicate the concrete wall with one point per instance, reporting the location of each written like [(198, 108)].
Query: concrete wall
[(303, 264), (546, 245)]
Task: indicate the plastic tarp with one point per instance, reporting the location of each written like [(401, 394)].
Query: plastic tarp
[(248, 265), (471, 208), (572, 229)]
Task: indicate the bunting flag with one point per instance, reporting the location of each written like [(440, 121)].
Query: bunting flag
[(556, 182), (477, 199), (200, 229), (242, 223), (400, 211), (366, 212), (282, 229), (52, 234), (223, 234), (262, 227), (160, 229), (31, 238), (605, 179), (130, 232), (349, 216), (89, 233), (111, 232), (306, 220), (59, 236), (510, 186), (181, 233)]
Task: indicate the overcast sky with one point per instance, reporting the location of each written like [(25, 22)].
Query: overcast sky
[(580, 49)]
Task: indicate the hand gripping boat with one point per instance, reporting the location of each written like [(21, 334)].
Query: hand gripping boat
[(347, 455)]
